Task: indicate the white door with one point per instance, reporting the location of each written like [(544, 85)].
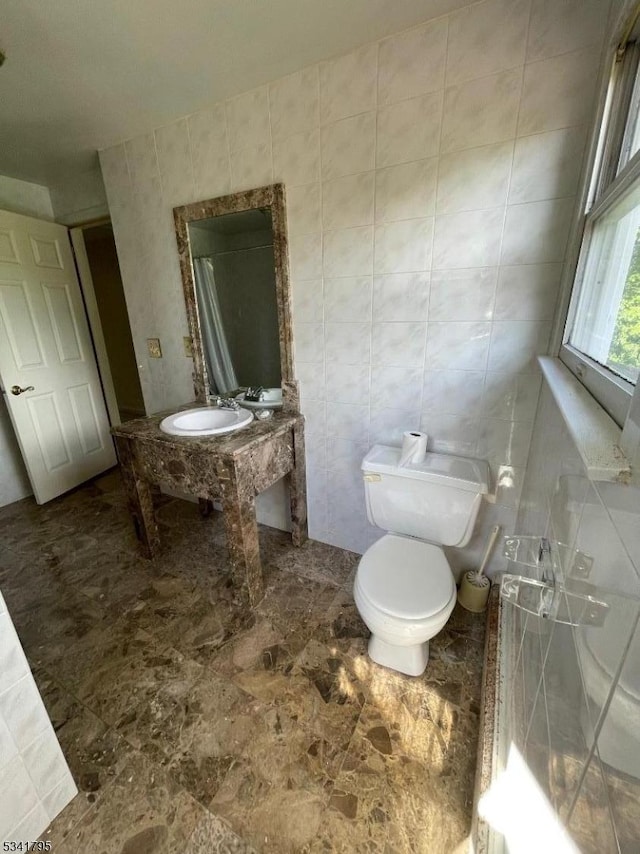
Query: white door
[(47, 365)]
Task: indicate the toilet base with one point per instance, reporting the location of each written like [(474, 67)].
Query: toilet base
[(411, 660)]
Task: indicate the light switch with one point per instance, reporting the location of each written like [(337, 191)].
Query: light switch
[(154, 348), (188, 346)]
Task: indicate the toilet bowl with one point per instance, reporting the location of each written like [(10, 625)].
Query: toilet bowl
[(404, 588), (403, 609)]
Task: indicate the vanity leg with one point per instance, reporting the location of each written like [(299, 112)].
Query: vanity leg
[(140, 501), (298, 490), (242, 537)]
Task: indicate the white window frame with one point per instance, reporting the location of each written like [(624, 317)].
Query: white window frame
[(601, 189)]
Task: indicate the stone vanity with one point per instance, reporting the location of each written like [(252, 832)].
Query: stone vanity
[(232, 468)]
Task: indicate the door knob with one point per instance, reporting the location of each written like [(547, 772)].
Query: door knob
[(15, 389)]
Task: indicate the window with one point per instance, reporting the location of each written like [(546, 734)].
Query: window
[(602, 335)]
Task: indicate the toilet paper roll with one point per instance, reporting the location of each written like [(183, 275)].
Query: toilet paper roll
[(414, 447)]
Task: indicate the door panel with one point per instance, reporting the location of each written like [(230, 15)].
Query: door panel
[(20, 325), (46, 253), (62, 425), (8, 248), (86, 418), (63, 322)]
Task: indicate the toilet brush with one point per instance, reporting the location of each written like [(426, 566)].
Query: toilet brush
[(474, 588)]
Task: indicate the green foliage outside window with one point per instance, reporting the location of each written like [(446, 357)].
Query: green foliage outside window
[(625, 346)]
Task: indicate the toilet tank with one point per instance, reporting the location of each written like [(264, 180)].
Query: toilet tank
[(437, 499)]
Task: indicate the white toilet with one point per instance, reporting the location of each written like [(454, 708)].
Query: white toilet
[(404, 588)]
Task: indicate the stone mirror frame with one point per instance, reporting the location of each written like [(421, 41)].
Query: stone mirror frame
[(272, 197)]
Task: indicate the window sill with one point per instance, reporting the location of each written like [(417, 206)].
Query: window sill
[(595, 434)]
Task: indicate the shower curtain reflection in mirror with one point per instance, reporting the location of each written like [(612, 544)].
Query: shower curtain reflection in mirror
[(222, 377)]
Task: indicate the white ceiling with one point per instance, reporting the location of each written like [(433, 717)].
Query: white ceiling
[(84, 74)]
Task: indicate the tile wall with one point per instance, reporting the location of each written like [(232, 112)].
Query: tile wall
[(575, 693), (35, 781), (430, 180)]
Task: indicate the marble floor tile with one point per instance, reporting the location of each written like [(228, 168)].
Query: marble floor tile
[(319, 562), (192, 723), (196, 730), (142, 810), (212, 835)]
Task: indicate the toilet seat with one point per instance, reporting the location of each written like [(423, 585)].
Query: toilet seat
[(405, 578)]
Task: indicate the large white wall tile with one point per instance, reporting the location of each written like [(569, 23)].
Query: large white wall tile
[(482, 111), (547, 165), (510, 397), (397, 387), (453, 392), (309, 341), (348, 383), (516, 343), (18, 796), (296, 159), (345, 453), (406, 191), (348, 201), (251, 167), (142, 161), (348, 343), (468, 239), (348, 252), (398, 344), (401, 296), (209, 152), (348, 146), (304, 209), (557, 93), (348, 298), (462, 294), (305, 256), (115, 172), (475, 178), (486, 38), (174, 162), (348, 421), (460, 345), (311, 377), (248, 119), (8, 747), (13, 664), (409, 130), (557, 28), (402, 247), (527, 293), (294, 103), (45, 763), (504, 442), (315, 429), (23, 712), (412, 63), (348, 84), (536, 232)]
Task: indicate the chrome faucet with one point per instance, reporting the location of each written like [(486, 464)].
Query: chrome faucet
[(254, 393), (226, 403)]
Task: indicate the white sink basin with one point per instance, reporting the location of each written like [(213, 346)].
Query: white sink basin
[(205, 421), (272, 399)]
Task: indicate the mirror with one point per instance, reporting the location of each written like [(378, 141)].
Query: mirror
[(233, 256)]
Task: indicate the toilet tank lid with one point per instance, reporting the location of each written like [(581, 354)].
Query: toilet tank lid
[(458, 472)]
